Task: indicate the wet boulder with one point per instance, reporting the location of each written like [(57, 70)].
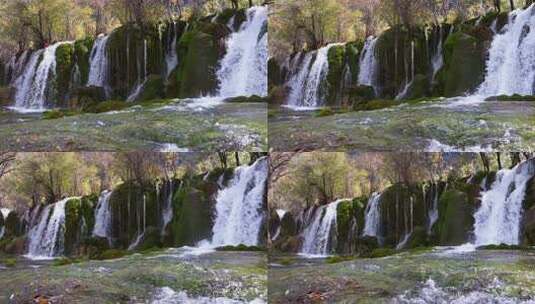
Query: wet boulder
[(200, 49), (13, 225), (86, 97), (456, 218), (464, 63), (366, 245), (79, 222)]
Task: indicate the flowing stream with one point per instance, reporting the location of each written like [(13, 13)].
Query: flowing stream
[(103, 216), (99, 65), (372, 221)]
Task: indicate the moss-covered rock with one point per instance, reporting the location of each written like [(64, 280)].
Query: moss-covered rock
[(418, 238), (84, 97), (12, 225), (79, 222), (464, 62), (106, 106), (193, 207), (134, 207), (82, 54), (419, 87), (199, 49), (359, 94), (375, 105), (349, 214), (275, 77), (336, 61), (456, 219), (402, 208), (252, 98), (65, 61), (394, 53), (151, 238), (153, 89)]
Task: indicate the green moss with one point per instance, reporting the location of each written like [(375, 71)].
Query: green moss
[(112, 254), (55, 114), (464, 64), (382, 252), (455, 218), (337, 259), (252, 98), (10, 262), (514, 97), (336, 60), (66, 261), (82, 53), (373, 105), (153, 89), (324, 112), (79, 221), (240, 247), (286, 261), (503, 247), (65, 61), (106, 106)]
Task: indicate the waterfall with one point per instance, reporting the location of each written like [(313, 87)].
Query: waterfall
[(141, 215), (171, 56), (432, 215), (372, 221), (5, 212), (240, 206), (437, 61), (368, 64), (33, 86), (297, 82), (320, 235), (15, 67), (498, 218), (46, 239), (167, 212), (99, 65), (308, 85), (103, 216), (243, 69), (510, 67), (142, 72)]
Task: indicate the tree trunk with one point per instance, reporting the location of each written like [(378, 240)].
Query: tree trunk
[(485, 161), (512, 4), (499, 160)]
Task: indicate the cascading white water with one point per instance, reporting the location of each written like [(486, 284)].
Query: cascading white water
[(372, 221), (510, 67), (5, 212), (243, 69), (239, 207), (319, 236), (432, 215), (103, 216), (307, 85), (171, 56), (141, 213), (99, 64), (368, 64), (167, 212), (142, 75), (498, 218), (48, 236), (437, 61), (298, 80), (34, 84)]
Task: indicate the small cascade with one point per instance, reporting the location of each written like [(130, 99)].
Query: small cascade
[(509, 68), (141, 216), (298, 80), (243, 69), (320, 235), (368, 64), (99, 65), (103, 216), (498, 218), (437, 61), (432, 214), (2, 231), (5, 212), (167, 211), (15, 67), (34, 87), (47, 238), (372, 221), (142, 76), (308, 85), (171, 56), (408, 81), (240, 206)]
